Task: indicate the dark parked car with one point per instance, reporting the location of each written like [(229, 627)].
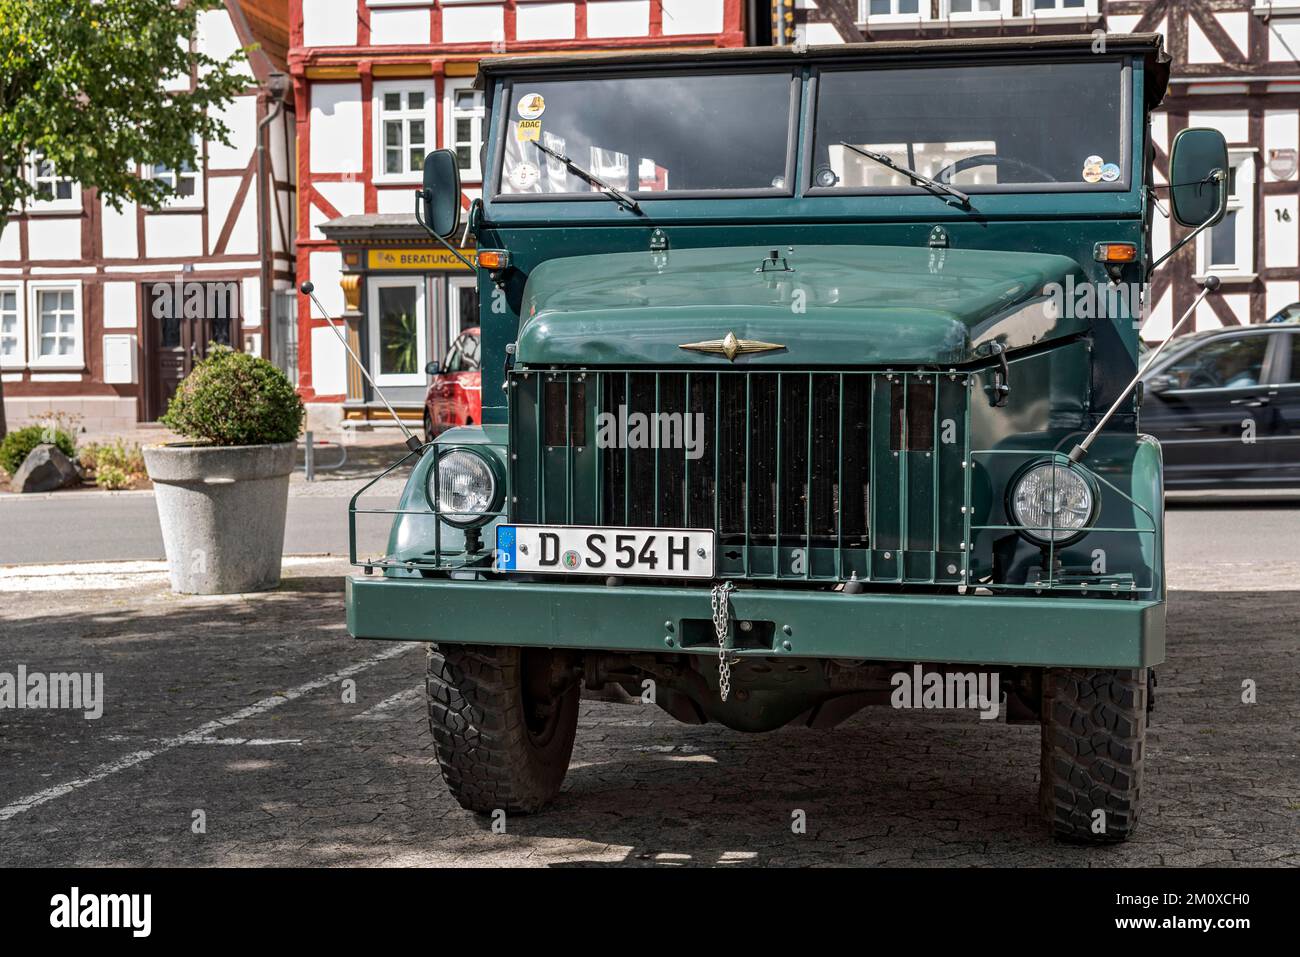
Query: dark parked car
[(1225, 405)]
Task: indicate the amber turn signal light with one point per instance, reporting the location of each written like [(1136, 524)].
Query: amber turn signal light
[(1115, 253), (493, 259)]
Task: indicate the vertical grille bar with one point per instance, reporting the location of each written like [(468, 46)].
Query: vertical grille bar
[(904, 518), (686, 458), (748, 484), (808, 489), (718, 475), (627, 460), (597, 451), (654, 440), (541, 449), (842, 483), (776, 516), (568, 448)]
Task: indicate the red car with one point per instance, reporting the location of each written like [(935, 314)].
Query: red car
[(455, 395)]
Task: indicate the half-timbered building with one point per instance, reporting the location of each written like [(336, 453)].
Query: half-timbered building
[(378, 83), (1236, 67), (103, 310)]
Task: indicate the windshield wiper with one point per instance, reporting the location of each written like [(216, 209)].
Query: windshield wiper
[(962, 199), (613, 192)]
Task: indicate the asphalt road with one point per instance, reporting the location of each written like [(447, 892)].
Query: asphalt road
[(94, 526)]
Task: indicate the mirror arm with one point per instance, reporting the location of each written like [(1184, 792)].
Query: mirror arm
[(1221, 178), (420, 196)]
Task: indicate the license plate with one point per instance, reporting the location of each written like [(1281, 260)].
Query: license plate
[(576, 550)]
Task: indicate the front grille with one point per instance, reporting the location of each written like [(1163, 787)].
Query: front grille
[(815, 475)]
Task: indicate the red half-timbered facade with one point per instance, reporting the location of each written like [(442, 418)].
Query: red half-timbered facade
[(1236, 67), (377, 84), (103, 311)]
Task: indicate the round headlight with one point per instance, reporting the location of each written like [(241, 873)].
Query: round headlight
[(466, 488), (1053, 502)]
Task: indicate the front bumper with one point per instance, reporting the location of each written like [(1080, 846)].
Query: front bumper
[(980, 629)]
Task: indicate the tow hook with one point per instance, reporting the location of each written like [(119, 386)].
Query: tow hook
[(1001, 387)]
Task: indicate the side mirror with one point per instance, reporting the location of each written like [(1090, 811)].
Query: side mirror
[(432, 368), (1198, 170), (439, 201), (1160, 383)]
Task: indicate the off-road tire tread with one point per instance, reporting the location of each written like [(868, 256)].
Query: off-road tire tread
[(476, 715), (1093, 749)]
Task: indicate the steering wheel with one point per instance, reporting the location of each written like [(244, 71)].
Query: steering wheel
[(946, 174)]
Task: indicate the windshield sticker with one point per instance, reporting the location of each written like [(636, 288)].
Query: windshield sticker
[(527, 130), (1092, 169), (525, 176), (532, 106), (1109, 173)]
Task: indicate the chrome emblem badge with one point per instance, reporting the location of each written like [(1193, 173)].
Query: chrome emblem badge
[(731, 346)]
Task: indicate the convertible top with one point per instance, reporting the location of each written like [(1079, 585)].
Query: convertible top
[(1148, 45)]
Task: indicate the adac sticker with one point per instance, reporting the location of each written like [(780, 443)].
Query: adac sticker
[(527, 130), (532, 106), (1092, 167), (1109, 173), (525, 176)]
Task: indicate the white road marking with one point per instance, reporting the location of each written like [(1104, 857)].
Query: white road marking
[(378, 712), (200, 734)]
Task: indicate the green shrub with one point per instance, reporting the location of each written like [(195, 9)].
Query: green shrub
[(112, 477), (19, 442), (118, 454), (233, 398)]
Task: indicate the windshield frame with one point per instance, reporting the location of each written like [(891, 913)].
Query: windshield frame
[(502, 120), (1125, 119)]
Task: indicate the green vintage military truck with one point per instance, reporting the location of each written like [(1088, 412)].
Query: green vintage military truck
[(792, 387)]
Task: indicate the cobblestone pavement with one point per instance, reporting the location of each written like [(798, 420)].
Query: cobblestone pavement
[(234, 707)]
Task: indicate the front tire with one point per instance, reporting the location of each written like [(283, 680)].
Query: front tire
[(1093, 744), (503, 722)]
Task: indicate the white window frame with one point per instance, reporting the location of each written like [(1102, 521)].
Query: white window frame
[(885, 19), (373, 285), (1242, 202), (1089, 11), (76, 360), (474, 174), (429, 114), (454, 325), (18, 361), (183, 202), (991, 16), (38, 205)]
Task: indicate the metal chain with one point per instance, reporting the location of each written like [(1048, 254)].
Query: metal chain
[(721, 622)]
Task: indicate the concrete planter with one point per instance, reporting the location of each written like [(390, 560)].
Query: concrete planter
[(222, 514)]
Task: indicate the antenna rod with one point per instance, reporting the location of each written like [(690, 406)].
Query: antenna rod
[(1080, 451), (308, 288)]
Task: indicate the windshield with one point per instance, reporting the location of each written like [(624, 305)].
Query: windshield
[(650, 134), (987, 127)]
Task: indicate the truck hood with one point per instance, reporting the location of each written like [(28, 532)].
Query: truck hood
[(839, 305)]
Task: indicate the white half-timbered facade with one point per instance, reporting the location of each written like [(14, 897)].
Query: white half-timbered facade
[(102, 311), (378, 83), (1236, 67)]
